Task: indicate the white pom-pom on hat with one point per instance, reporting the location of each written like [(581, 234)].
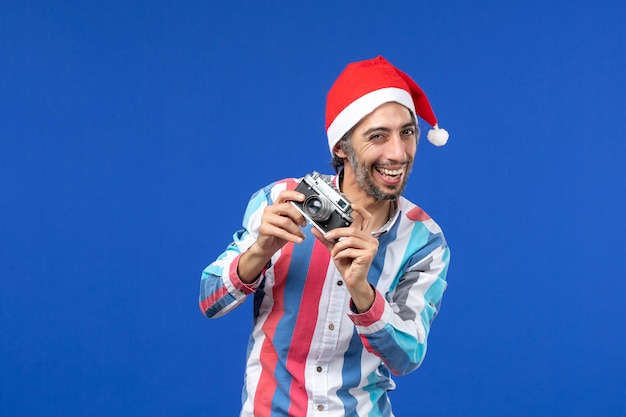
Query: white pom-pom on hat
[(437, 136), (364, 86)]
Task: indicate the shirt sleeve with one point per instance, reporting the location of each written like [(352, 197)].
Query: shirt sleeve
[(221, 289), (397, 325)]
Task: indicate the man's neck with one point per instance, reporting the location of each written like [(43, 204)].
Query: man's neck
[(381, 210)]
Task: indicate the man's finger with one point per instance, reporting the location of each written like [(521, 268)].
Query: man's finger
[(329, 244), (363, 219), (289, 195)]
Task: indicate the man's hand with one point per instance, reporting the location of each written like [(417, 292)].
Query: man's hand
[(353, 249), (280, 224)]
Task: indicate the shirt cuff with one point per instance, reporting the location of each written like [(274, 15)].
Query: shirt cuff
[(238, 284), (371, 316)]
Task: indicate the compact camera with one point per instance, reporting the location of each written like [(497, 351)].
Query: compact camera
[(324, 206)]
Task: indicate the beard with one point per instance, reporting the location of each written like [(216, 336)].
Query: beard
[(363, 176)]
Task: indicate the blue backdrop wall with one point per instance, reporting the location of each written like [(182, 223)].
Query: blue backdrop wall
[(133, 133)]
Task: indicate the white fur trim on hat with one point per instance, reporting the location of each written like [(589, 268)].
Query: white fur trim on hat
[(361, 107)]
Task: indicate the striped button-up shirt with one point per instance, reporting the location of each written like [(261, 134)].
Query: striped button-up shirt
[(309, 353)]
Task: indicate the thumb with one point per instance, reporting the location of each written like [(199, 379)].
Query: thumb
[(329, 244)]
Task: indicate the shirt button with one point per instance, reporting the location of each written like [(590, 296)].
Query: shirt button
[(320, 407), (319, 369), (340, 283), (331, 326), (357, 322)]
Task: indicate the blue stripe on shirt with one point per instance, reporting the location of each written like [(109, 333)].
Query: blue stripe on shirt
[(258, 199), (419, 236), (293, 291), (351, 372)]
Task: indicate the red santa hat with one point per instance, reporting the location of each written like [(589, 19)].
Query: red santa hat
[(365, 85)]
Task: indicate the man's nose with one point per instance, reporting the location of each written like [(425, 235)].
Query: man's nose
[(395, 149)]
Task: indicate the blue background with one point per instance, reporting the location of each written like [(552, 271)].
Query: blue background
[(133, 133)]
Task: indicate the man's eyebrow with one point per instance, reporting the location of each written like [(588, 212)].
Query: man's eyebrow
[(375, 129), (386, 129)]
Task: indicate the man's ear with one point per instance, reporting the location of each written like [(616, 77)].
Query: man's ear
[(339, 152)]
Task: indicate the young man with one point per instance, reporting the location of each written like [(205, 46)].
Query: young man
[(336, 314)]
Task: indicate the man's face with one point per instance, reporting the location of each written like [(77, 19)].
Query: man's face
[(382, 150)]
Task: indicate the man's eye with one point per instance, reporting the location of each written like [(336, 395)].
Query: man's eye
[(409, 132)]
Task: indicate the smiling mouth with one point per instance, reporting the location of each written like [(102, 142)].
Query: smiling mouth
[(392, 174)]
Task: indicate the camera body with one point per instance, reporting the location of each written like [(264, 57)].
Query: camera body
[(324, 206)]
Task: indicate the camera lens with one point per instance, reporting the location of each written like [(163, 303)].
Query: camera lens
[(318, 208), (314, 206)]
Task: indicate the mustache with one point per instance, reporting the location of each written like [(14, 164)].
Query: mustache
[(391, 164)]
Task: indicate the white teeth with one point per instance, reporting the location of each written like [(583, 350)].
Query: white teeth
[(391, 172)]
